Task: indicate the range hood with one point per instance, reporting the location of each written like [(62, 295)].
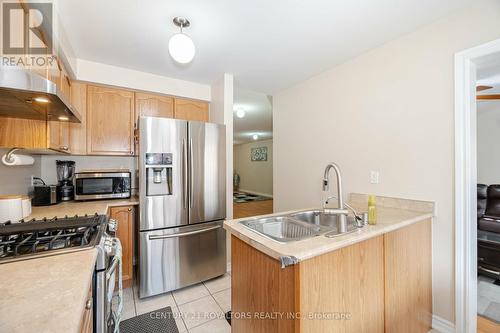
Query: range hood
[(27, 95)]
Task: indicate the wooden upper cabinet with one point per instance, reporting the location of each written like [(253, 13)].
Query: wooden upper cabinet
[(78, 131), (153, 105), (58, 136), (190, 110), (110, 121)]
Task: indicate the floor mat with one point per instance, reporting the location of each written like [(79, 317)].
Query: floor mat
[(247, 197), (159, 321)]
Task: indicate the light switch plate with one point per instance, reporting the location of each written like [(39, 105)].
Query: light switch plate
[(374, 177)]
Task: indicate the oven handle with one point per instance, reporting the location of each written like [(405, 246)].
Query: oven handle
[(112, 268), (489, 270), (183, 234)]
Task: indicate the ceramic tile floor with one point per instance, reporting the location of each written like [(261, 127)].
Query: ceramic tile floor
[(198, 308)]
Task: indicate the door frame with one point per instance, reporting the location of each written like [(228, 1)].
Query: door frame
[(466, 185)]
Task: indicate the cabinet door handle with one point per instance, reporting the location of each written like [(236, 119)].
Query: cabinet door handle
[(64, 147), (88, 305), (130, 209), (131, 152)]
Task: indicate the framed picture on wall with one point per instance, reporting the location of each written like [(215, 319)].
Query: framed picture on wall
[(258, 154)]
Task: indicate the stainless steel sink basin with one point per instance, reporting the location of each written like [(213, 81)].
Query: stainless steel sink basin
[(284, 229), (330, 221)]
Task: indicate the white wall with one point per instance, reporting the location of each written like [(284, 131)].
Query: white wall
[(221, 112), (256, 176), (390, 110), (17, 179), (488, 139), (123, 77)]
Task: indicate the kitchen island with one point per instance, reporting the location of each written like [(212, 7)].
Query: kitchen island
[(376, 279)]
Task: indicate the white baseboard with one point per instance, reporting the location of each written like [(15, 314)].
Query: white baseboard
[(442, 325), (256, 193)]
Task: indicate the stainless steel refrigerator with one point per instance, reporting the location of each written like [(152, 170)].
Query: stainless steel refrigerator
[(182, 188)]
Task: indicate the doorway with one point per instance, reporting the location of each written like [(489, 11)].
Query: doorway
[(252, 153), (472, 69)]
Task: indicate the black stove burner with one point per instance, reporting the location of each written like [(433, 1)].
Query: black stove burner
[(40, 236)]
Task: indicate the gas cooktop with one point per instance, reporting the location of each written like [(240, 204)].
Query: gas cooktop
[(34, 238)]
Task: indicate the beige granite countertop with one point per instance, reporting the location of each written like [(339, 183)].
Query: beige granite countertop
[(46, 294), (392, 214), (72, 208)]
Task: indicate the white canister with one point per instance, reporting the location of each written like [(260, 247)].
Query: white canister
[(11, 208), (26, 203)]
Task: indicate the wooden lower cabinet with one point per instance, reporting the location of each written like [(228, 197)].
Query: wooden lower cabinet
[(87, 322), (124, 217), (382, 284)]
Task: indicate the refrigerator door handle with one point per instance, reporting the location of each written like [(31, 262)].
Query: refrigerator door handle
[(191, 173), (183, 234), (184, 174)]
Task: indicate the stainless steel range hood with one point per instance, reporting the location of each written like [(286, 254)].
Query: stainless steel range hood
[(30, 96)]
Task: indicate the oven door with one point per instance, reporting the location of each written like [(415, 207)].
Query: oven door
[(91, 186)]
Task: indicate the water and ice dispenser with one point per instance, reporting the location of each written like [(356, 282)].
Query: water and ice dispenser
[(158, 174)]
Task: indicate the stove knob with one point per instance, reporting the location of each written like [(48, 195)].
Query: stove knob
[(112, 225)]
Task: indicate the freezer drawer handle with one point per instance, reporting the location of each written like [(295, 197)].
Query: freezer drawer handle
[(188, 233)]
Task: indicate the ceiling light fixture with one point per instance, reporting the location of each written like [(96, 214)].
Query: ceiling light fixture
[(255, 137), (180, 45), (63, 118), (240, 112)]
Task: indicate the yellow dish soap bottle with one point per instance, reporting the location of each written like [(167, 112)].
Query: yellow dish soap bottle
[(372, 210)]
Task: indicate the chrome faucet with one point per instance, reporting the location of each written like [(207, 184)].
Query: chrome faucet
[(341, 211)]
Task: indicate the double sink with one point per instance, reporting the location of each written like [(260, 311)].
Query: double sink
[(299, 226)]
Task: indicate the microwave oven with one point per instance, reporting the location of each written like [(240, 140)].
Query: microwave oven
[(102, 185)]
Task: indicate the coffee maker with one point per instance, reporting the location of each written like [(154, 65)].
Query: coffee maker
[(65, 171)]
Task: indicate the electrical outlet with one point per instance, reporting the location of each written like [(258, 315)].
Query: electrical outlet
[(374, 177), (32, 180)]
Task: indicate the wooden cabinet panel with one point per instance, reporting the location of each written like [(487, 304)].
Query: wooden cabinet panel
[(273, 290), (58, 136), (65, 84), (350, 281), (78, 131), (86, 325), (408, 280), (23, 133), (110, 121), (190, 110), (124, 217), (153, 105)]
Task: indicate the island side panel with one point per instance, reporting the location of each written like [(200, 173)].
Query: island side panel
[(408, 279), (349, 280), (260, 285)]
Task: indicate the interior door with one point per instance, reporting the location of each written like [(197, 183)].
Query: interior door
[(163, 201), (207, 172)]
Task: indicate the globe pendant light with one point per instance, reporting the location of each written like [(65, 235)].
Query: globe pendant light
[(180, 45)]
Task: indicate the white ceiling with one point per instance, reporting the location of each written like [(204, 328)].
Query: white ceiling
[(267, 45), (258, 116)]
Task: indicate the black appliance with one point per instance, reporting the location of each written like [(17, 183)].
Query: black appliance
[(44, 195), (104, 184), (65, 171)]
